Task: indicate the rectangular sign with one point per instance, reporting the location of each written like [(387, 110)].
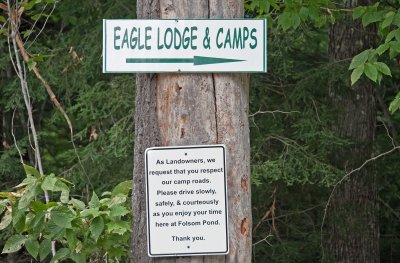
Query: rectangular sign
[(185, 45), (186, 201)]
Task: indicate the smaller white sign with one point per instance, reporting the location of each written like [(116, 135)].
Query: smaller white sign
[(186, 201)]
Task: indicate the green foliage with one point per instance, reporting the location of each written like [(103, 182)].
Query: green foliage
[(387, 19), (100, 106), (291, 14), (97, 230), (395, 104)]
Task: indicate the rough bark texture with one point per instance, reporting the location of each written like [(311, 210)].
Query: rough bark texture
[(352, 229), (188, 109)]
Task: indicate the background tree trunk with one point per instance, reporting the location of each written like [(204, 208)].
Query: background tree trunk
[(190, 109), (352, 234)]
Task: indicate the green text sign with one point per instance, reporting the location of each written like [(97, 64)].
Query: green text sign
[(195, 45)]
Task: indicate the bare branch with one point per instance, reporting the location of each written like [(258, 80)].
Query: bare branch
[(273, 112), (14, 138), (345, 177), (24, 86), (44, 25), (34, 24)]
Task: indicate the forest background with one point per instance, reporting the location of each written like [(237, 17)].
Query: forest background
[(292, 125)]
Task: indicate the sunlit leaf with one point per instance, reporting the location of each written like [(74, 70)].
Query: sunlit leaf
[(14, 243)]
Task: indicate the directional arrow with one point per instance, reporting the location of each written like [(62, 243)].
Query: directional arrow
[(196, 60)]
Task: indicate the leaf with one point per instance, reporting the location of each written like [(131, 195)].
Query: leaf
[(382, 48), (31, 64), (18, 219), (29, 170), (38, 206), (65, 181), (78, 257), (284, 20), (379, 79), (44, 249), (32, 246), (265, 6), (62, 216), (96, 227), (107, 193), (122, 188), (356, 74), (38, 224), (119, 199), (26, 33), (29, 5), (5, 195), (388, 19), (303, 13), (4, 203), (395, 104), (396, 19), (14, 243), (105, 202), (116, 252), (49, 183), (118, 210), (359, 11), (372, 17), (38, 58), (394, 49), (314, 13), (118, 227), (94, 212), (26, 199), (383, 68), (64, 197), (71, 238), (371, 72), (77, 203), (62, 253), (6, 220), (94, 201), (52, 183), (29, 180), (2, 19), (393, 34), (53, 231), (360, 59), (295, 20)]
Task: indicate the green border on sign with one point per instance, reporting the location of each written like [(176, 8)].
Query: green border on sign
[(264, 70), (105, 46)]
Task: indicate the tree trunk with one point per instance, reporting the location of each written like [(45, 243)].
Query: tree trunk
[(194, 109), (352, 227)]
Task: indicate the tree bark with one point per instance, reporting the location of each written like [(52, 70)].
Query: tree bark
[(352, 227), (194, 109)]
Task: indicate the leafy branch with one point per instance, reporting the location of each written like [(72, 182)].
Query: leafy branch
[(98, 229)]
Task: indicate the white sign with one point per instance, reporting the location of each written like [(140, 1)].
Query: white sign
[(186, 201), (192, 45)]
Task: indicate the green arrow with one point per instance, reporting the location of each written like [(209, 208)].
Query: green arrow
[(196, 60)]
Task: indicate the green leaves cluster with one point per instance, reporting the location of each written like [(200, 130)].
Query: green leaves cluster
[(97, 230), (290, 14), (366, 63), (293, 13), (387, 19)]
